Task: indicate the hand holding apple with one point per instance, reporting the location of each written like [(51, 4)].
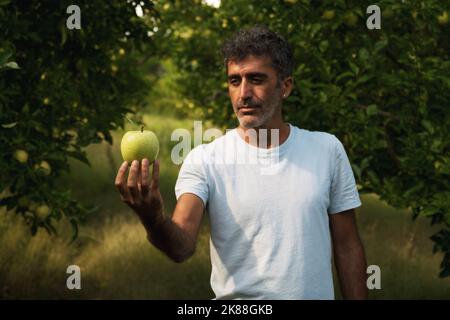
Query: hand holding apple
[(144, 198)]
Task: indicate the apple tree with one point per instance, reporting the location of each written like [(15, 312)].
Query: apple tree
[(62, 89), (385, 93)]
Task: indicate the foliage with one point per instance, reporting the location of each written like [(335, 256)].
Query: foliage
[(384, 93), (71, 90)]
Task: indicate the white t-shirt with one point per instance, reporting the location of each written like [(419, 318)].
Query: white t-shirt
[(270, 235)]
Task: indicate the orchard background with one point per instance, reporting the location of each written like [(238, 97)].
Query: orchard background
[(64, 95)]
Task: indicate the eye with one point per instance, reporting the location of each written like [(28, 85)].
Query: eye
[(257, 80), (234, 81)]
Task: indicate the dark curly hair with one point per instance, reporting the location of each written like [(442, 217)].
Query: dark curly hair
[(260, 41)]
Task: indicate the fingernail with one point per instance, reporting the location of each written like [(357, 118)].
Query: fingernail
[(145, 161), (135, 162)]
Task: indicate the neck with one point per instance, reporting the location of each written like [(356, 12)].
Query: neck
[(256, 136)]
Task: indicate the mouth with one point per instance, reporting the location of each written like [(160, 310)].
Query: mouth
[(248, 109)]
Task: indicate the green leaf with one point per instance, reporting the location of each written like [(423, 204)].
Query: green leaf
[(12, 65), (4, 2), (357, 170), (74, 225), (354, 68), (371, 110), (428, 126), (322, 97), (315, 28), (363, 79), (363, 54), (9, 125), (63, 29), (414, 189), (381, 44), (429, 211), (343, 75), (79, 155)]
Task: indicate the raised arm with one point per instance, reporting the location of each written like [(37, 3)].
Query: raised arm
[(176, 236)]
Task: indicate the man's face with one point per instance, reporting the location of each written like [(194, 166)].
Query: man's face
[(254, 91)]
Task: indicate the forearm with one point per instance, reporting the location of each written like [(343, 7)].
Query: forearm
[(168, 237), (350, 261)]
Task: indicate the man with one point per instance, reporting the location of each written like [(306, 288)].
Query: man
[(271, 231)]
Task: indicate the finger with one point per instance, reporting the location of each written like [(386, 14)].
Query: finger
[(121, 184), (139, 178), (120, 179), (144, 177), (132, 180), (155, 175)]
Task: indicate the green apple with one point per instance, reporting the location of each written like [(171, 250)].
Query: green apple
[(328, 15), (42, 211), (140, 144), (44, 167), (21, 156), (443, 18)]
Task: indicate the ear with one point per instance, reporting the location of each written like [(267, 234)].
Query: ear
[(287, 87)]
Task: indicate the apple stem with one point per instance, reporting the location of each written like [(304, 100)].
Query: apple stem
[(142, 128)]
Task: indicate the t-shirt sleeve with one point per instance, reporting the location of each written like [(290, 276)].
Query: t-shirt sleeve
[(343, 194), (192, 177)]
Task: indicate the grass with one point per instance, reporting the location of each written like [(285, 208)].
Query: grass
[(117, 262), (402, 249)]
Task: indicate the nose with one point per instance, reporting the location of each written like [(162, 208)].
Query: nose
[(245, 91)]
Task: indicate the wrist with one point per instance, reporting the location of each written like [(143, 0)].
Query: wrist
[(151, 221)]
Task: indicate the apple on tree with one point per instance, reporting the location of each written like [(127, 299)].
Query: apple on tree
[(42, 212), (351, 19), (139, 144), (21, 156), (328, 15), (443, 18), (43, 167)]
